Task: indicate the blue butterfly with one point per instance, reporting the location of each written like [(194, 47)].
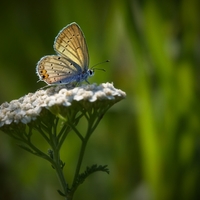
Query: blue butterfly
[(72, 59)]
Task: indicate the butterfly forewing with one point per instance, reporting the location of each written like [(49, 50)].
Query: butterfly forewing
[(71, 44), (55, 69)]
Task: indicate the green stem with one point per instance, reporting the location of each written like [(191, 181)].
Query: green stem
[(84, 141), (59, 171), (80, 159)]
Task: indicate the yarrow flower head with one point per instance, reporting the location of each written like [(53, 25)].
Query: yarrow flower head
[(29, 107), (53, 113)]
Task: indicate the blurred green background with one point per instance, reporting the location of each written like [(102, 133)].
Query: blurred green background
[(150, 140)]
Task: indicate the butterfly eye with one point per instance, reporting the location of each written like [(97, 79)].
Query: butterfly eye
[(91, 72)]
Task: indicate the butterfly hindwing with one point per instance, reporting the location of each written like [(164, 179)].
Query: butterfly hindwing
[(56, 69)]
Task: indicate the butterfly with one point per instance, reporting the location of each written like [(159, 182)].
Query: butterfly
[(71, 62)]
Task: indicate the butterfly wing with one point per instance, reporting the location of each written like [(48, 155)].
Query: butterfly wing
[(70, 43), (57, 70)]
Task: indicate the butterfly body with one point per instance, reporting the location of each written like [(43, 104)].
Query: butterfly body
[(72, 59)]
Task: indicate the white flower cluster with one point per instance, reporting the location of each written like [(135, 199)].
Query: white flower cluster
[(27, 108)]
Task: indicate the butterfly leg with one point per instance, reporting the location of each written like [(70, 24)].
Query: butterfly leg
[(87, 81)]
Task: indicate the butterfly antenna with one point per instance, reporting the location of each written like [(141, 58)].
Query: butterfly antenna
[(95, 68)]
